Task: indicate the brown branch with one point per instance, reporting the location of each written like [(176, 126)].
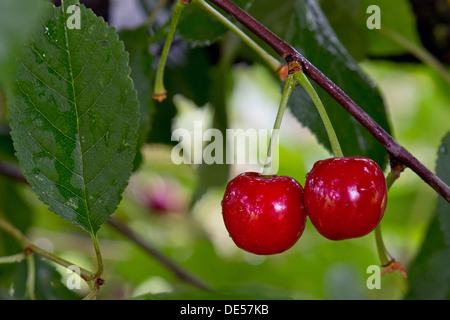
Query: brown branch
[(396, 151), (11, 172), (179, 272)]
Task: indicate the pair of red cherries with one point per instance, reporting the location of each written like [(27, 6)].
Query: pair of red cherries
[(343, 197)]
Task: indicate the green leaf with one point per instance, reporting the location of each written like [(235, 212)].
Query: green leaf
[(74, 116), (349, 21), (443, 171), (429, 275), (273, 14), (311, 34), (200, 29), (395, 15)]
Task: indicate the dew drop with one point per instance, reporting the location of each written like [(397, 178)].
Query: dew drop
[(442, 149)]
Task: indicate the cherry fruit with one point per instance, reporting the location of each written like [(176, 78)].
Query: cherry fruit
[(345, 197), (264, 215)]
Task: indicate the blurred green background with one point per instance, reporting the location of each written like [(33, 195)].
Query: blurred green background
[(194, 237)]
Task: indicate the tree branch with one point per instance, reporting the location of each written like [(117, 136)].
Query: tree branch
[(286, 51), (11, 172), (169, 264), (31, 247)]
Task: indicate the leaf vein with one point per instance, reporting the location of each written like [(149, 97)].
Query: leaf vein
[(103, 169), (45, 84), (34, 49), (43, 115), (49, 153)]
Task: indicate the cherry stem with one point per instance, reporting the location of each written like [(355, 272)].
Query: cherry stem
[(93, 294), (301, 79), (289, 86), (285, 50), (383, 254), (160, 92), (273, 63)]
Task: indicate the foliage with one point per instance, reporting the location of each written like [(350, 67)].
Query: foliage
[(93, 145)]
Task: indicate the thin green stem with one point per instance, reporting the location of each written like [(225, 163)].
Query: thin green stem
[(419, 52), (93, 294), (84, 274), (160, 92), (99, 257), (289, 86), (31, 279), (273, 63), (301, 79), (390, 179), (286, 51), (97, 280), (13, 258), (383, 254), (29, 246)]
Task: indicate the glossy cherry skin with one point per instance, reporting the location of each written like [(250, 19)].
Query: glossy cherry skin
[(345, 197), (264, 215)]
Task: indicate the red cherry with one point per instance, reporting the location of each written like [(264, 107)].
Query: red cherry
[(264, 215), (345, 197)]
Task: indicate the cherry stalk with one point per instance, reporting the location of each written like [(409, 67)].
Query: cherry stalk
[(396, 151)]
